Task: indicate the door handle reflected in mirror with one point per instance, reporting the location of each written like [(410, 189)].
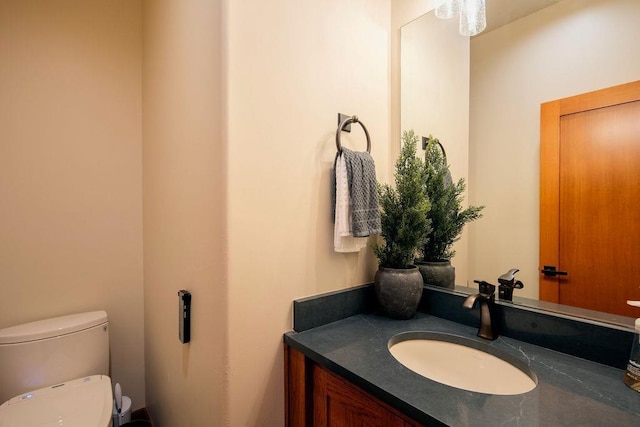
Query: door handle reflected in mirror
[(550, 271)]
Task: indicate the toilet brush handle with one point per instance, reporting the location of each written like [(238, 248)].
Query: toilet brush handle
[(118, 396)]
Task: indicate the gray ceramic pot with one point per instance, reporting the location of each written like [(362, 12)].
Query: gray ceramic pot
[(438, 273), (399, 291)]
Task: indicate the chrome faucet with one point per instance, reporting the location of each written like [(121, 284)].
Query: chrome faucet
[(488, 324)]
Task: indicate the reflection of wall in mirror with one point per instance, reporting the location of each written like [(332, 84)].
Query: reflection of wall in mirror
[(435, 97), (572, 47)]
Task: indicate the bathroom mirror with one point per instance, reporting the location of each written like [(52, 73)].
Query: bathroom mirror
[(556, 50)]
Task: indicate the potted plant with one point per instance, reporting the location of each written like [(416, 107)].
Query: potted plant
[(405, 225), (447, 217)]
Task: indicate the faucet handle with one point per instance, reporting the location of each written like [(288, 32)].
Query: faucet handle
[(509, 277), (485, 287), (508, 283)]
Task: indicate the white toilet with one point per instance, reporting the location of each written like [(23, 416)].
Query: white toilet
[(54, 372)]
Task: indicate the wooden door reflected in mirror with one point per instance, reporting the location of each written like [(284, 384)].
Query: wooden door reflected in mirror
[(590, 199)]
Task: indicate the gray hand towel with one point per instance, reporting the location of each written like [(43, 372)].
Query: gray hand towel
[(363, 192)]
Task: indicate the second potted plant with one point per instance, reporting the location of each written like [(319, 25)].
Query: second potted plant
[(447, 217), (405, 225)]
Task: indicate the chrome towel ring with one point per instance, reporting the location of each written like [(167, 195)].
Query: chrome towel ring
[(348, 121)]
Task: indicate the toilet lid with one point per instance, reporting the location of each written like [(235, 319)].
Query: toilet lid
[(77, 403)]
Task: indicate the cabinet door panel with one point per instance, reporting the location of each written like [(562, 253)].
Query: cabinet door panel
[(318, 397), (340, 404)]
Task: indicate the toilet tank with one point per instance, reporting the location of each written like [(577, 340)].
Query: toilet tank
[(52, 351)]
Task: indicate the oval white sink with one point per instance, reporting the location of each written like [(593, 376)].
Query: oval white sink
[(462, 363)]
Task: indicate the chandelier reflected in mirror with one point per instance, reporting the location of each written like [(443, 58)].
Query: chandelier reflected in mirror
[(472, 13)]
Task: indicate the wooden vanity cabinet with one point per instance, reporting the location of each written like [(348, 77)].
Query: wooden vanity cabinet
[(316, 397)]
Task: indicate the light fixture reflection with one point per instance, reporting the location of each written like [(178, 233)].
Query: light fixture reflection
[(448, 9), (473, 18)]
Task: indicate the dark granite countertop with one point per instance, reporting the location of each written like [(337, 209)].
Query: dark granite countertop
[(571, 391)]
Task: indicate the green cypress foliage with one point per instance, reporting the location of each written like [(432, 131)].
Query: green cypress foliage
[(403, 210), (446, 214)]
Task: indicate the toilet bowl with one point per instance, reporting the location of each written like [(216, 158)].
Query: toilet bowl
[(77, 403), (55, 373)]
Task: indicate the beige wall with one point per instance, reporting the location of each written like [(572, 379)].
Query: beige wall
[(184, 210), (292, 67), (235, 110), (70, 169), (573, 47), (402, 13)]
